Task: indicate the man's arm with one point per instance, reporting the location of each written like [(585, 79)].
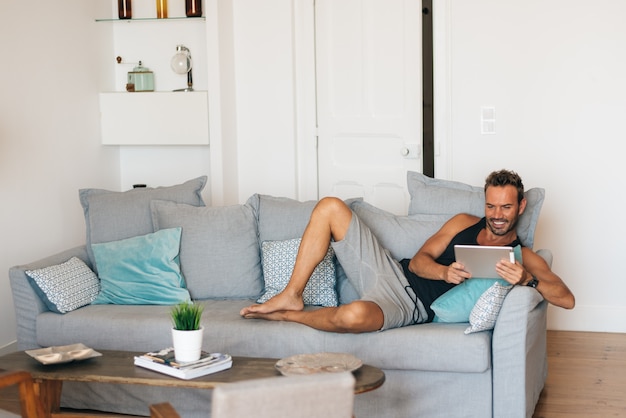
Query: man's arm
[(551, 287), (423, 263)]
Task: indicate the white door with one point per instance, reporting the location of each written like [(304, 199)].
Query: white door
[(369, 98)]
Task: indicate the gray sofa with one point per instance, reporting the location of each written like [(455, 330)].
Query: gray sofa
[(432, 370)]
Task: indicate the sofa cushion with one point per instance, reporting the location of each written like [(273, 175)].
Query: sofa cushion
[(141, 270), (280, 218), (436, 197), (403, 236), (278, 259), (426, 347), (219, 254), (66, 286), (112, 216)]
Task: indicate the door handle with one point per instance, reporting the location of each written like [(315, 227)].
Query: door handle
[(410, 151)]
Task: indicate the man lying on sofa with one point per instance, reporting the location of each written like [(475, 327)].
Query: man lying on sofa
[(395, 294)]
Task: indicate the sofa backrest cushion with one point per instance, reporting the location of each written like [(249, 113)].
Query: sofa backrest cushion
[(436, 197), (219, 254), (112, 216), (402, 236), (280, 218)]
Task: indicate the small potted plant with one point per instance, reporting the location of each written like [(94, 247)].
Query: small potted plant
[(187, 331)]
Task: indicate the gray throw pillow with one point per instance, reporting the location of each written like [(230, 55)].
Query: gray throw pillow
[(65, 287), (278, 259), (219, 254), (112, 216), (436, 196), (485, 313)]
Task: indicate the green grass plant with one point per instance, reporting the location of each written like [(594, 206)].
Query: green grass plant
[(186, 316)]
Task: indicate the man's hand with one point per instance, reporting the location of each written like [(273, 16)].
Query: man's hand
[(456, 273), (513, 273)]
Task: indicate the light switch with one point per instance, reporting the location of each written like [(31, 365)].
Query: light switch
[(487, 120)]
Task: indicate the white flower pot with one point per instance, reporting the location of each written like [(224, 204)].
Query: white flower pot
[(187, 344)]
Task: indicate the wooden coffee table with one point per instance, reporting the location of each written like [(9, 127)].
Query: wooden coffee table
[(117, 367)]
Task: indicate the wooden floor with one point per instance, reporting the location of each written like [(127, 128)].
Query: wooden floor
[(586, 377)]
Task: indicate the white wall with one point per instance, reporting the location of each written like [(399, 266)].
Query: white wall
[(556, 73), (49, 135)]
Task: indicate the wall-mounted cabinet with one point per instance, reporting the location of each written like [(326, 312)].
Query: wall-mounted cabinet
[(154, 118)]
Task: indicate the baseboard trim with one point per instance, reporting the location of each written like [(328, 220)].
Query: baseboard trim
[(9, 348)]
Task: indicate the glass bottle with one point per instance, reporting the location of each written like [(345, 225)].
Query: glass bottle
[(161, 6), (124, 9), (193, 8)]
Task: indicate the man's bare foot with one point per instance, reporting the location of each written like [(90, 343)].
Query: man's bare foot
[(272, 316), (280, 302)]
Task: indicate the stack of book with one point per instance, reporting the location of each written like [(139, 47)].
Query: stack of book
[(165, 362)]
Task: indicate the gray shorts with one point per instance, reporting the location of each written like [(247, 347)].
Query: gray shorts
[(377, 277)]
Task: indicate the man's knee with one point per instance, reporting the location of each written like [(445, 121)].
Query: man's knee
[(334, 213), (331, 205), (360, 316)]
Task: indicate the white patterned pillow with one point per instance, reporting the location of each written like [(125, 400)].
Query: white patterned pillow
[(278, 259), (485, 313), (66, 286)]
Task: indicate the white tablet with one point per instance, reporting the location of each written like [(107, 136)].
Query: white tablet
[(481, 260)]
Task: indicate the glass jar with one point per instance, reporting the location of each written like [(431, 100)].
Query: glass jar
[(124, 9), (193, 8)]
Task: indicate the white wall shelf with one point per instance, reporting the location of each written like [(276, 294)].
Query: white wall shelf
[(154, 118), (155, 19)]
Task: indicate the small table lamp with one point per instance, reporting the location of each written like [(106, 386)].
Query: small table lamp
[(181, 63)]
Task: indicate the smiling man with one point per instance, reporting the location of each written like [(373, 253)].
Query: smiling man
[(504, 204), (394, 294)]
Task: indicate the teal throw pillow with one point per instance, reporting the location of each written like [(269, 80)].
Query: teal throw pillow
[(278, 259), (142, 270), (457, 303)]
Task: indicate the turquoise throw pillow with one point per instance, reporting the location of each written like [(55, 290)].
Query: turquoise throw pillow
[(142, 270), (457, 303)]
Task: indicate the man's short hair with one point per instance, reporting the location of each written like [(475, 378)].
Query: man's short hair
[(506, 178)]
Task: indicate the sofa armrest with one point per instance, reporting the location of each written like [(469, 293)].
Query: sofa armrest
[(519, 353), (28, 305)]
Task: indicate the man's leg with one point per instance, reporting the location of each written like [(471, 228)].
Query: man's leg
[(330, 219), (354, 317)]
